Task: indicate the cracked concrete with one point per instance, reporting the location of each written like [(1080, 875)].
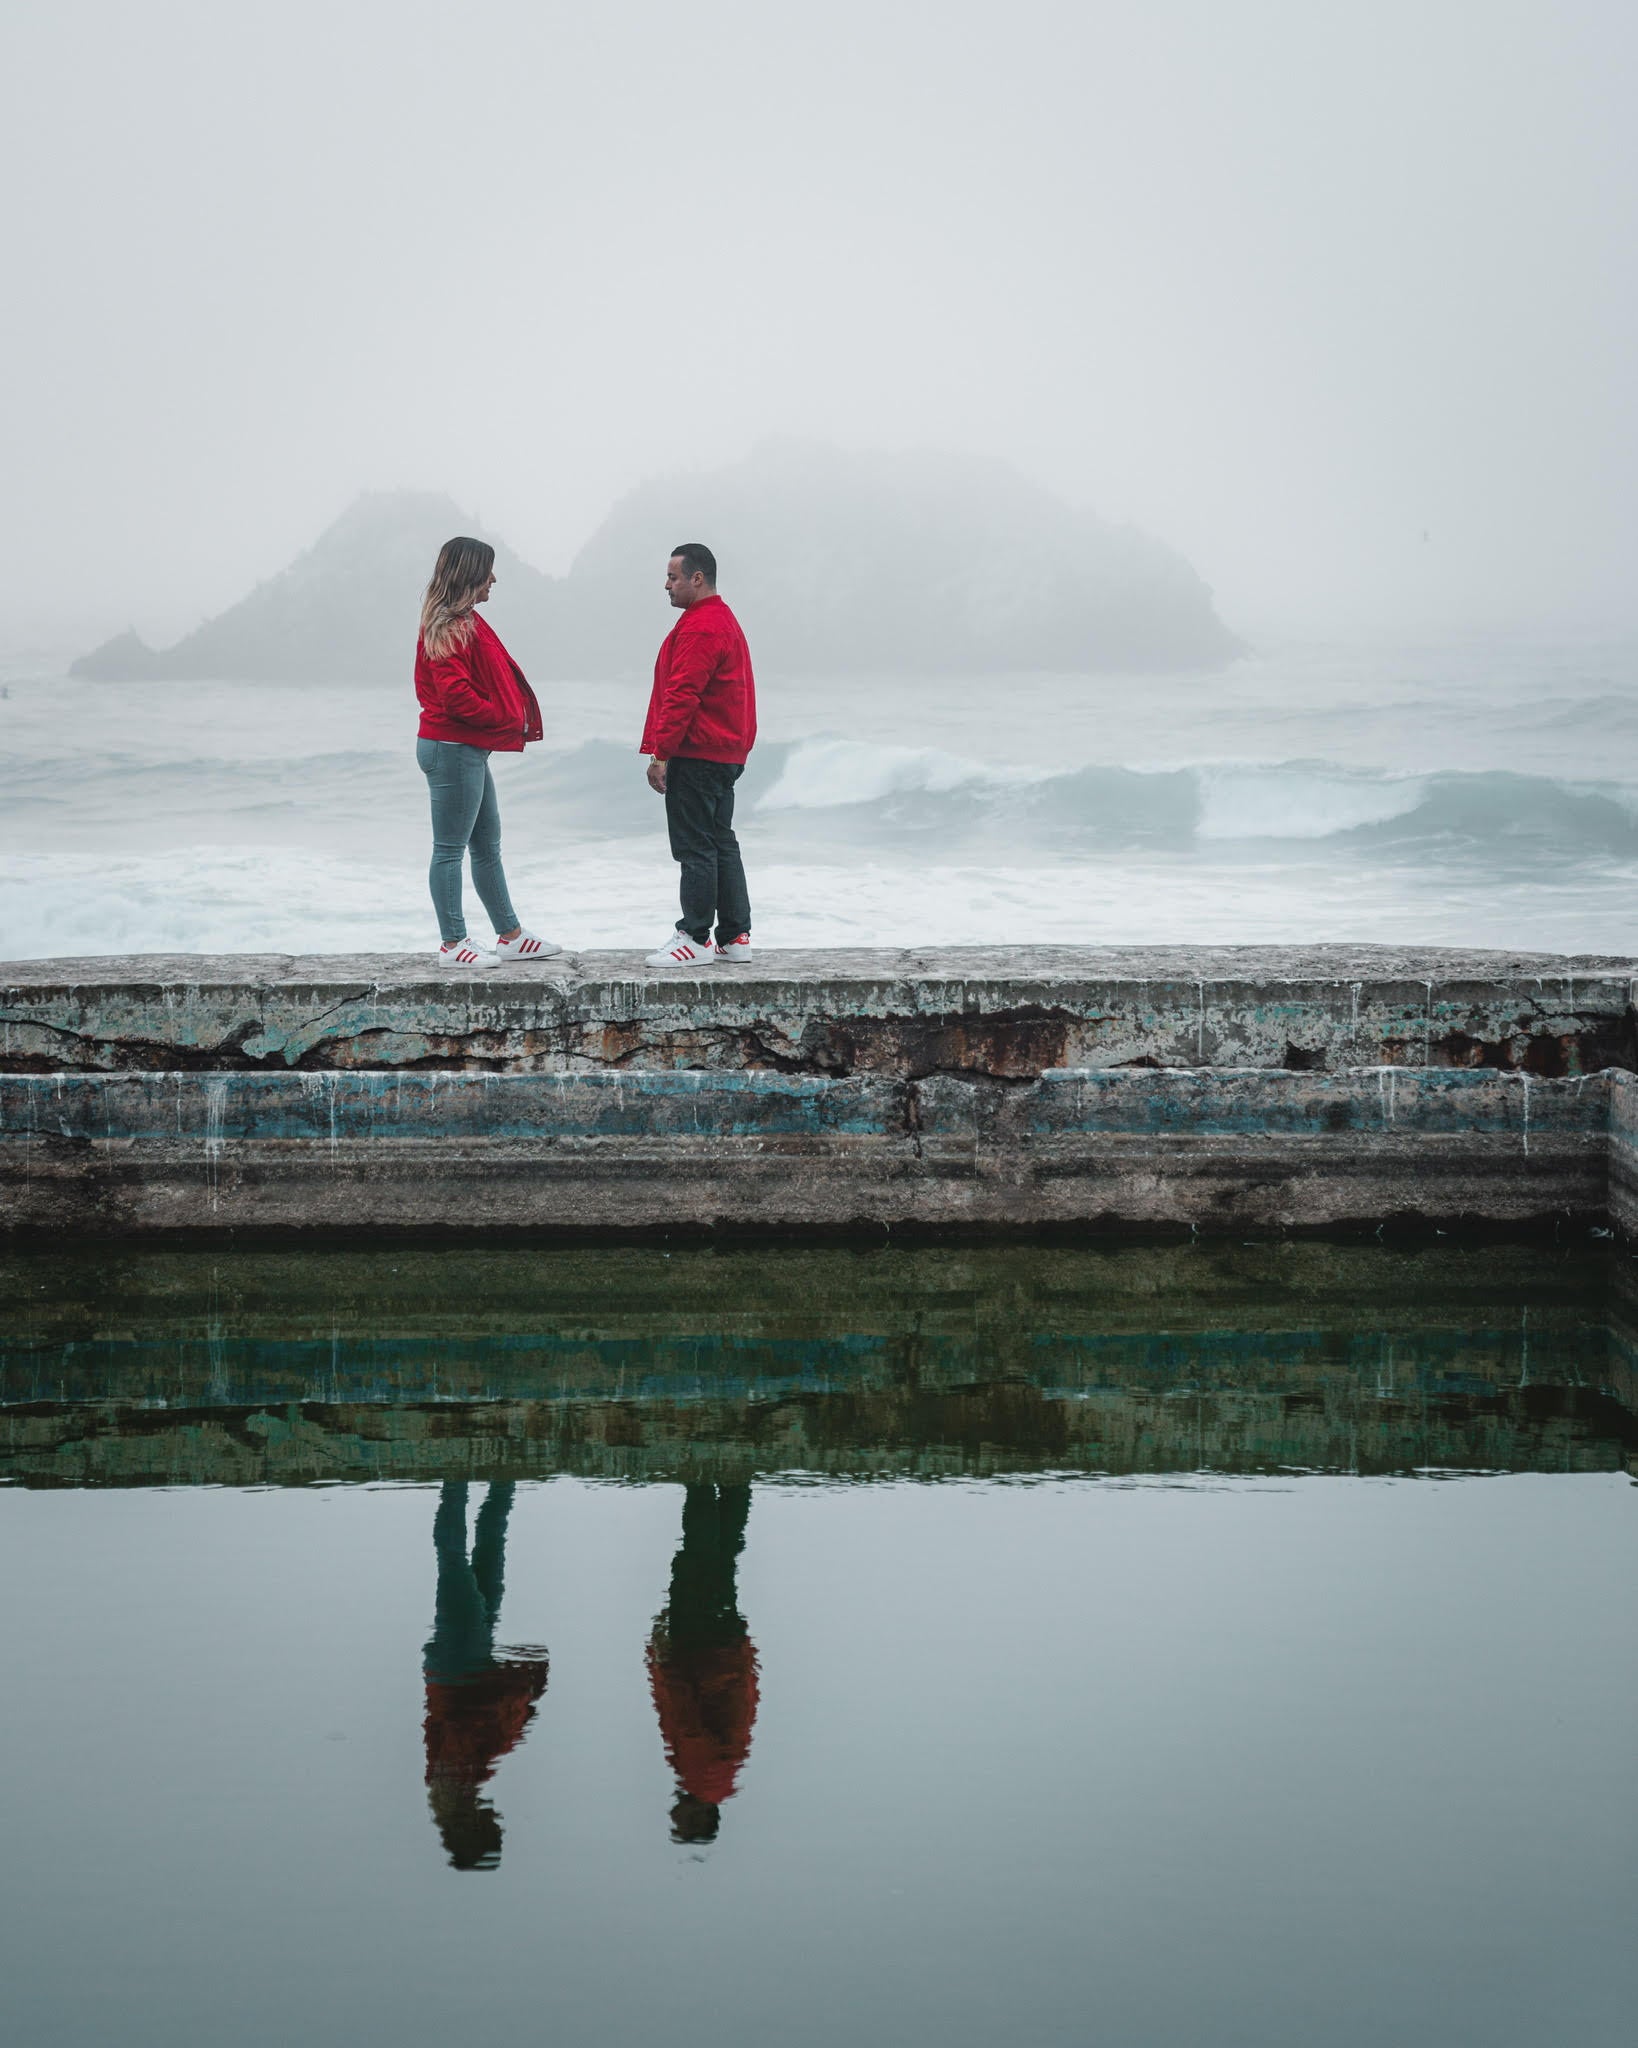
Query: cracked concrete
[(1009, 1014)]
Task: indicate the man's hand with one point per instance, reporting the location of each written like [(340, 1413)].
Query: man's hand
[(656, 775)]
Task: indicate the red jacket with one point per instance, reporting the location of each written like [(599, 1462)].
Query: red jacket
[(706, 1697), (472, 1722), (477, 695), (703, 705)]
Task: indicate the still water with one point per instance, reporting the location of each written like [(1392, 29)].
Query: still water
[(1143, 1646)]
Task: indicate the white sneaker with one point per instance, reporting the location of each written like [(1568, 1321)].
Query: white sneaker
[(467, 956), (682, 951), (737, 950), (526, 945)]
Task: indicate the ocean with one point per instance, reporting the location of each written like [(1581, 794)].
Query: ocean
[(1462, 793)]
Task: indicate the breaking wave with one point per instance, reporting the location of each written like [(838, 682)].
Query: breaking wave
[(859, 790), (853, 795)]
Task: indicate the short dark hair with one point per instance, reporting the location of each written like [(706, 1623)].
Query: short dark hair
[(697, 559)]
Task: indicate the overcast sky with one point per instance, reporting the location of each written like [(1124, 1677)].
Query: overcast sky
[(1291, 283)]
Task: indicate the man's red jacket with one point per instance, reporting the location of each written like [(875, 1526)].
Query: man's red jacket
[(477, 695), (703, 705), (706, 1697)]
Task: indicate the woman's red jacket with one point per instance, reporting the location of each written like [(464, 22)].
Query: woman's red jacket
[(476, 695)]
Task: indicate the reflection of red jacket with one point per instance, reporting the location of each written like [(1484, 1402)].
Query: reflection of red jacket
[(703, 704), (706, 1699), (471, 1724), (476, 695)]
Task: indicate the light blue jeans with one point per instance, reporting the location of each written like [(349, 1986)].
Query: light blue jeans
[(465, 813)]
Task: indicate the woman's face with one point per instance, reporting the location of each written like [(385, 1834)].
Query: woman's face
[(484, 591)]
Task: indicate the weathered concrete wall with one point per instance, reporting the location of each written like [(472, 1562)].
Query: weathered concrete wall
[(1223, 1088), (1623, 1153), (1222, 1149), (1011, 1013)]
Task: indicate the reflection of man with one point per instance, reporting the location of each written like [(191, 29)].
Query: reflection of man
[(701, 1661), (478, 1705)]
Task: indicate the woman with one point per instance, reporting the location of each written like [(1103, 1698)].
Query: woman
[(478, 1705), (474, 702)]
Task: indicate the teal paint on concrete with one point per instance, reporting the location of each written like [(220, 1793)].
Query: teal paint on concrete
[(1381, 1101), (215, 1109), (329, 1108)]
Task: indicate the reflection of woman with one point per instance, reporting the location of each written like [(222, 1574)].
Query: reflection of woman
[(474, 703), (478, 1705), (701, 1661)]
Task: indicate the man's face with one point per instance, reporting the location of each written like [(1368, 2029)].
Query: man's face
[(683, 589)]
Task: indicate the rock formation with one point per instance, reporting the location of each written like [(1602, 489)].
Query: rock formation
[(838, 563)]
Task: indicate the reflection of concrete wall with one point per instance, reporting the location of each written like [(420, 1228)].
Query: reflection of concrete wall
[(1549, 1393), (921, 1432), (261, 1366), (673, 1369)]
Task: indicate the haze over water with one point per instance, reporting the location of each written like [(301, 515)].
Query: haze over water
[(1338, 303), (1339, 307)]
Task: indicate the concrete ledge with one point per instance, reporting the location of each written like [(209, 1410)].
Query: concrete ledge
[(1222, 1088), (1009, 1013)]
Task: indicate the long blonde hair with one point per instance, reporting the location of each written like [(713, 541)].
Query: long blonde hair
[(446, 611)]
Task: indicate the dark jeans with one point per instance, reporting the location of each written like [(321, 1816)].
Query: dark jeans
[(699, 815)]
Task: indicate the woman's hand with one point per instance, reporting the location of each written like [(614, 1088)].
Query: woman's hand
[(656, 775)]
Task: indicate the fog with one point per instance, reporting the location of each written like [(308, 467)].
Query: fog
[(1336, 302)]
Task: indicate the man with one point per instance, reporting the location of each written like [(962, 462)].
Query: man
[(701, 725)]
